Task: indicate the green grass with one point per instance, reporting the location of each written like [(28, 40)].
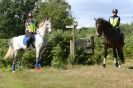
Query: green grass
[(74, 77)]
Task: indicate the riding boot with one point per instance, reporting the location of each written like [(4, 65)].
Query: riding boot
[(121, 34), (122, 37), (29, 45), (30, 40)]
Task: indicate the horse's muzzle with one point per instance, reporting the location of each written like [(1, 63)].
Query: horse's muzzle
[(98, 34)]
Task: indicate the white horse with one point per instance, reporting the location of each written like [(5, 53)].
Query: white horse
[(16, 43)]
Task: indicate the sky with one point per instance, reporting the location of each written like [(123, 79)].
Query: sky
[(85, 10)]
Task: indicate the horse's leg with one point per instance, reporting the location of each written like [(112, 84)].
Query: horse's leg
[(115, 55), (116, 60), (38, 65), (14, 62), (19, 60), (121, 56), (105, 56), (13, 65)]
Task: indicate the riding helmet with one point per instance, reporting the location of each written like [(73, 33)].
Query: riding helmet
[(114, 11)]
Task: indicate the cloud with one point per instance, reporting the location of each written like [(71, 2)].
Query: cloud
[(86, 10)]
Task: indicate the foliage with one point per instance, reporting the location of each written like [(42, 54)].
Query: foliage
[(3, 47), (13, 14), (58, 11), (128, 32), (28, 59), (58, 60), (98, 52), (85, 32), (82, 57), (59, 42), (57, 51)]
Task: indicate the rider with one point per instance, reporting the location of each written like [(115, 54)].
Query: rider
[(30, 29), (115, 22)]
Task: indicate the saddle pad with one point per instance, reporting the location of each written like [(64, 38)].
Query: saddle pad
[(25, 40)]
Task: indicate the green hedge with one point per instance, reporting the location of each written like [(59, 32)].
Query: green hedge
[(57, 51)]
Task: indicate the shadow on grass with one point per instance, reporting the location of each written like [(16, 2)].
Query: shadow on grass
[(130, 67)]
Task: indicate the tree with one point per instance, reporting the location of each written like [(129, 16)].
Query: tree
[(13, 14), (58, 10)]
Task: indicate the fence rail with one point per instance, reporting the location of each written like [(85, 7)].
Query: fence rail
[(86, 43)]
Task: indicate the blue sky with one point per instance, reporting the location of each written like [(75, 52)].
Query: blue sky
[(85, 10)]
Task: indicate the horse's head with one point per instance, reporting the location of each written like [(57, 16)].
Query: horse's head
[(45, 26), (99, 26)]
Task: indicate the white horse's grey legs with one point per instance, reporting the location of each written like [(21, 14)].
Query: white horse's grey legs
[(38, 65), (13, 66), (14, 62)]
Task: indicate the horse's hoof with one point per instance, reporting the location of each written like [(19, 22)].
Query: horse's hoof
[(39, 69), (117, 65), (104, 65), (13, 71)]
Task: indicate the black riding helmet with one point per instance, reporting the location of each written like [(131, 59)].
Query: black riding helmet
[(114, 11)]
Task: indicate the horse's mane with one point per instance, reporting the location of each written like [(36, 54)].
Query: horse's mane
[(105, 22), (41, 24), (108, 23)]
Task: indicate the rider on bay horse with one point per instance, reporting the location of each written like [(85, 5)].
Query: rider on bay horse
[(30, 30), (115, 22)]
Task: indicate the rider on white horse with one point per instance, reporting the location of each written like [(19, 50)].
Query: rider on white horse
[(30, 30), (17, 43)]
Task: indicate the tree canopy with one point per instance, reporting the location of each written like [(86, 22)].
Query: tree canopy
[(58, 10), (13, 14)]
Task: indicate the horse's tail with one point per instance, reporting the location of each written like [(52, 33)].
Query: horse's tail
[(10, 51)]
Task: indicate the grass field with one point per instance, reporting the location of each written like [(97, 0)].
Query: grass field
[(74, 77)]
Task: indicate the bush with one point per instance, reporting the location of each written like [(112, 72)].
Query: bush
[(59, 41), (28, 59), (58, 59), (3, 47), (57, 50), (82, 57)]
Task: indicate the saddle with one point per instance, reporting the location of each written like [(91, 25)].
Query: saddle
[(121, 35), (29, 41)]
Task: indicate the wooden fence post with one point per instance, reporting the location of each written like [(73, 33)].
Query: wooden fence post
[(72, 42)]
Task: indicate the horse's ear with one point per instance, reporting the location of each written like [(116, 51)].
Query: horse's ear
[(46, 19), (49, 19), (95, 19)]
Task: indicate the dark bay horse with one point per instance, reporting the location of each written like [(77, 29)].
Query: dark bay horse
[(112, 39)]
